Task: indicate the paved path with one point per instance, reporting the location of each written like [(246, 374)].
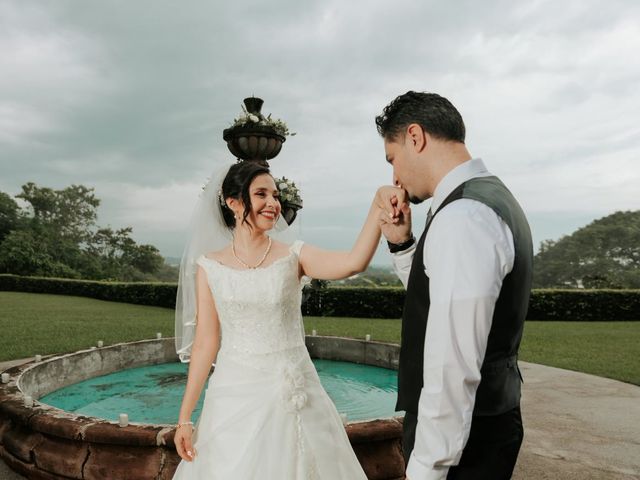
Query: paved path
[(577, 427)]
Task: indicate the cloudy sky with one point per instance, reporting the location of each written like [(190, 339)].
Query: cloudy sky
[(131, 97)]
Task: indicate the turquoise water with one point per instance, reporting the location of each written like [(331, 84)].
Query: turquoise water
[(153, 394)]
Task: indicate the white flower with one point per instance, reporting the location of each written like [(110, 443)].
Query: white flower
[(253, 118), (288, 191), (299, 400)]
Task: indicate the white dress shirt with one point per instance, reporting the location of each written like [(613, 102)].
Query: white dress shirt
[(467, 253)]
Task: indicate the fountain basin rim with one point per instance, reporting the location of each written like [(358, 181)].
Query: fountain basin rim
[(51, 420)]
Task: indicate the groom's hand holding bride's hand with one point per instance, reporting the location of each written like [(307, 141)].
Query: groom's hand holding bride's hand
[(395, 213)]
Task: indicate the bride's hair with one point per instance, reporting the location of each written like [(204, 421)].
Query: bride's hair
[(236, 185)]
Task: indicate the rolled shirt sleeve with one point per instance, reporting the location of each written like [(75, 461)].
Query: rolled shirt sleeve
[(402, 263), (467, 253)]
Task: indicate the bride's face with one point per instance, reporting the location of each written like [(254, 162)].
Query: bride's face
[(265, 202)]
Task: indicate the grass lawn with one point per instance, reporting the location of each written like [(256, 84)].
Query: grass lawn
[(38, 323), (607, 349)]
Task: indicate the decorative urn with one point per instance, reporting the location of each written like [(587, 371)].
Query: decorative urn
[(253, 137), (290, 211), (256, 138)]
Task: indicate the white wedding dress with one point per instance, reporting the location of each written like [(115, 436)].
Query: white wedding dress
[(265, 414)]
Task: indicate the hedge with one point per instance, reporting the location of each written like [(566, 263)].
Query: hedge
[(366, 302), (584, 305), (156, 294), (544, 304)]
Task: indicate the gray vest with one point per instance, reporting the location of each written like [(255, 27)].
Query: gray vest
[(499, 389)]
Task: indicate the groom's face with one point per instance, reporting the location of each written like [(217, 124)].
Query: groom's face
[(400, 154)]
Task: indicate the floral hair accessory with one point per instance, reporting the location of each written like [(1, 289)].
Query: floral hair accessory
[(221, 199)]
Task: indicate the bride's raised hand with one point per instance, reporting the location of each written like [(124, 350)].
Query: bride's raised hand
[(390, 200), (184, 443), (388, 204), (395, 216)]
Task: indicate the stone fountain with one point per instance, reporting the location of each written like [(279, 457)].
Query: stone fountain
[(44, 442)]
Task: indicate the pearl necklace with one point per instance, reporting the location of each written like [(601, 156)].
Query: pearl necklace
[(233, 250)]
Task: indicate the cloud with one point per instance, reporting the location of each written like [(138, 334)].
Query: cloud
[(132, 98), (20, 124)]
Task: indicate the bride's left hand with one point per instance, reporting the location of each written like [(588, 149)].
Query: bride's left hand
[(395, 215), (391, 200)]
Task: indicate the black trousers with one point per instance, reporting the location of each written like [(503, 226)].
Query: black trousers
[(491, 451)]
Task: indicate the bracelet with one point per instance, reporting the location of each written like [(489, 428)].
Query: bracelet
[(182, 424), (399, 247)]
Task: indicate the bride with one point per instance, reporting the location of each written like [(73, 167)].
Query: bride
[(265, 414)]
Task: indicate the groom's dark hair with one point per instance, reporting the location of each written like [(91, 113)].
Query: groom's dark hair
[(435, 114)]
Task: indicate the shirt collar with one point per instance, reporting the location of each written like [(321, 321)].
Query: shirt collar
[(465, 171)]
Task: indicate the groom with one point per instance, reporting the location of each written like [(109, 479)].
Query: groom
[(468, 279)]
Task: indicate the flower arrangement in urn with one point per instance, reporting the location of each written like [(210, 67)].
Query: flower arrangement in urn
[(290, 199), (252, 136), (257, 118)]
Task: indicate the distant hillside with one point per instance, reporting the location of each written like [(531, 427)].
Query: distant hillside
[(374, 276), (172, 261), (603, 254)]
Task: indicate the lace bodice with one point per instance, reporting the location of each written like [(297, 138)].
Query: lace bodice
[(258, 309)]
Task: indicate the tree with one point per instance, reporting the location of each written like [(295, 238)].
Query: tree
[(21, 252), (146, 258), (119, 256), (57, 236), (9, 215), (69, 212), (603, 254)]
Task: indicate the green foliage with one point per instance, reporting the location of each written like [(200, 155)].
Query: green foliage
[(56, 236), (115, 255), (21, 251), (384, 302), (9, 215), (166, 273), (585, 305), (604, 254), (141, 293), (69, 212)]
